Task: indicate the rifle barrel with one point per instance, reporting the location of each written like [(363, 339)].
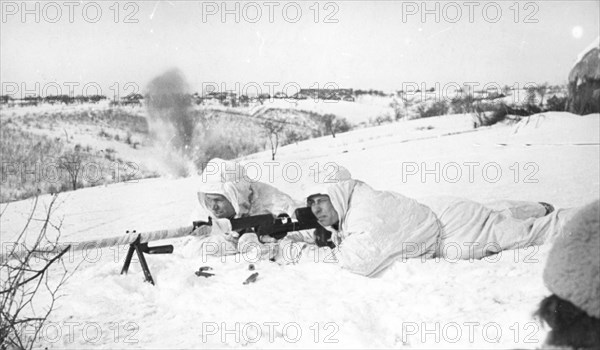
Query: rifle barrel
[(104, 242)]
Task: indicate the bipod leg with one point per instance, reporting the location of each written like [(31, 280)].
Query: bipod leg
[(125, 268), (141, 249)]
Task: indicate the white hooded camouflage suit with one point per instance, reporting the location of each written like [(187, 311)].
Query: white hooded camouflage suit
[(377, 228), (247, 198)]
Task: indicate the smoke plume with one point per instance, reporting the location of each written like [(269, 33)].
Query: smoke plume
[(171, 120)]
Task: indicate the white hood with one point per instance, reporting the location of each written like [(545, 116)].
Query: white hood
[(226, 189), (247, 197), (325, 178)]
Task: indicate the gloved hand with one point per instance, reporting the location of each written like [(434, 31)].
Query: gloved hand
[(267, 239), (251, 248), (202, 231), (248, 241), (210, 240), (221, 225)]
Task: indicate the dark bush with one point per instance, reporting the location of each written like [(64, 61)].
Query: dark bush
[(557, 104), (436, 109)]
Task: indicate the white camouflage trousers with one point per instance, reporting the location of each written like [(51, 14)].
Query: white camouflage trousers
[(472, 230)]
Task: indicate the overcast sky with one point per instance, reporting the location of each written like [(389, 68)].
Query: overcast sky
[(368, 44)]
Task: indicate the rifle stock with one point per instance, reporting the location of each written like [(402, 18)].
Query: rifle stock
[(266, 224)]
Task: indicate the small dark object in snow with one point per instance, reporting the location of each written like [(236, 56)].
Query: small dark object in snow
[(251, 279), (201, 272), (549, 207), (251, 267)]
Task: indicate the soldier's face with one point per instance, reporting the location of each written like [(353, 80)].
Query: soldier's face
[(219, 206), (321, 206)]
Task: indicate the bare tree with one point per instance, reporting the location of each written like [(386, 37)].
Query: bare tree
[(329, 120), (541, 90), (73, 163), (273, 129), (531, 94), (471, 104), (406, 102), (25, 282)]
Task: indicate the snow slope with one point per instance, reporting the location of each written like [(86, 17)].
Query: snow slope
[(415, 304)]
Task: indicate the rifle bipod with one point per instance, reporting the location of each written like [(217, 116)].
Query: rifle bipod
[(141, 248)]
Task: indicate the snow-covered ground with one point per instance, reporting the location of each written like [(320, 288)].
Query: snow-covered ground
[(551, 157)]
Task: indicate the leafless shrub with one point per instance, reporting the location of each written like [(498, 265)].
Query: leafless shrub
[(73, 163), (25, 283)]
